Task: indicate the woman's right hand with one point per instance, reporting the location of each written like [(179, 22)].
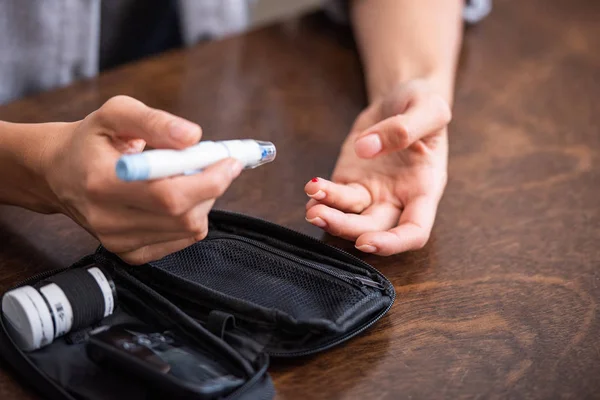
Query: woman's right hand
[(139, 221)]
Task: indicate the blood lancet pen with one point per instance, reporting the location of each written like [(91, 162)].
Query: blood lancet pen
[(162, 163)]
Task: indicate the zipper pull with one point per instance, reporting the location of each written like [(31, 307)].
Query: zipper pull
[(368, 282)]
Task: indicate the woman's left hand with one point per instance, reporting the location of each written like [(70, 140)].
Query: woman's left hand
[(390, 175)]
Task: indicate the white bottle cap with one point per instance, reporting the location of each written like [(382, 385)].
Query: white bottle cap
[(29, 320)]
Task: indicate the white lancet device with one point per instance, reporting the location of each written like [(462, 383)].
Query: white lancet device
[(156, 164)]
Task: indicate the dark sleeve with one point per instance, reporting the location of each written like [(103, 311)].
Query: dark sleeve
[(473, 12)]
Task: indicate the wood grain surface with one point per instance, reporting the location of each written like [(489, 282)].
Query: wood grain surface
[(502, 302)]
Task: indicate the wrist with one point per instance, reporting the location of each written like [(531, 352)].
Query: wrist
[(441, 81), (28, 150)]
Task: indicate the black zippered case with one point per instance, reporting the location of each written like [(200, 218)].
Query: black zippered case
[(249, 291)]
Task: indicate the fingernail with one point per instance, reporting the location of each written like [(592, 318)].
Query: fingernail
[(367, 248), (236, 169), (320, 195), (317, 221), (314, 180), (370, 144), (182, 130)]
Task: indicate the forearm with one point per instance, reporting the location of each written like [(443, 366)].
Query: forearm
[(407, 39), (22, 150)]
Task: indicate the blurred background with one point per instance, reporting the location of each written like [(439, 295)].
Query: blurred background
[(265, 11)]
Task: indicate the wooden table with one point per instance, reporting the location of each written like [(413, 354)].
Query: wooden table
[(502, 302)]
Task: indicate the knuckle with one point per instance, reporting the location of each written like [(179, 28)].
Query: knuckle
[(443, 183), (215, 185), (117, 100), (317, 211), (95, 221), (336, 230), (398, 125), (169, 201), (441, 109), (400, 137), (357, 208), (94, 186), (155, 119), (136, 258), (201, 235), (112, 245), (192, 223), (421, 240), (413, 87), (113, 105)]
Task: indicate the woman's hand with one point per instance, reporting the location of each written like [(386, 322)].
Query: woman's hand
[(390, 174), (139, 221)]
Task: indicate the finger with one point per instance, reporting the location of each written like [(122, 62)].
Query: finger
[(426, 115), (353, 197), (117, 219), (311, 203), (114, 221), (412, 232), (170, 196), (156, 251), (131, 241), (378, 217), (131, 119), (179, 194)]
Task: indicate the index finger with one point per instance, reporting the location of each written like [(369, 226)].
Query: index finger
[(175, 196), (169, 196)]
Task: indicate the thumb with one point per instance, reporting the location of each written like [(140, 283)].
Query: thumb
[(422, 118), (128, 118)]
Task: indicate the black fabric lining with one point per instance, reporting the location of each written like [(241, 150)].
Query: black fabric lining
[(244, 273)]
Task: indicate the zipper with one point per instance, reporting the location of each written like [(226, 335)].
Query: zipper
[(37, 277), (354, 280), (87, 260), (368, 282)]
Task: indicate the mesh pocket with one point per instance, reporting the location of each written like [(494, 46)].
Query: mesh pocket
[(245, 272)]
